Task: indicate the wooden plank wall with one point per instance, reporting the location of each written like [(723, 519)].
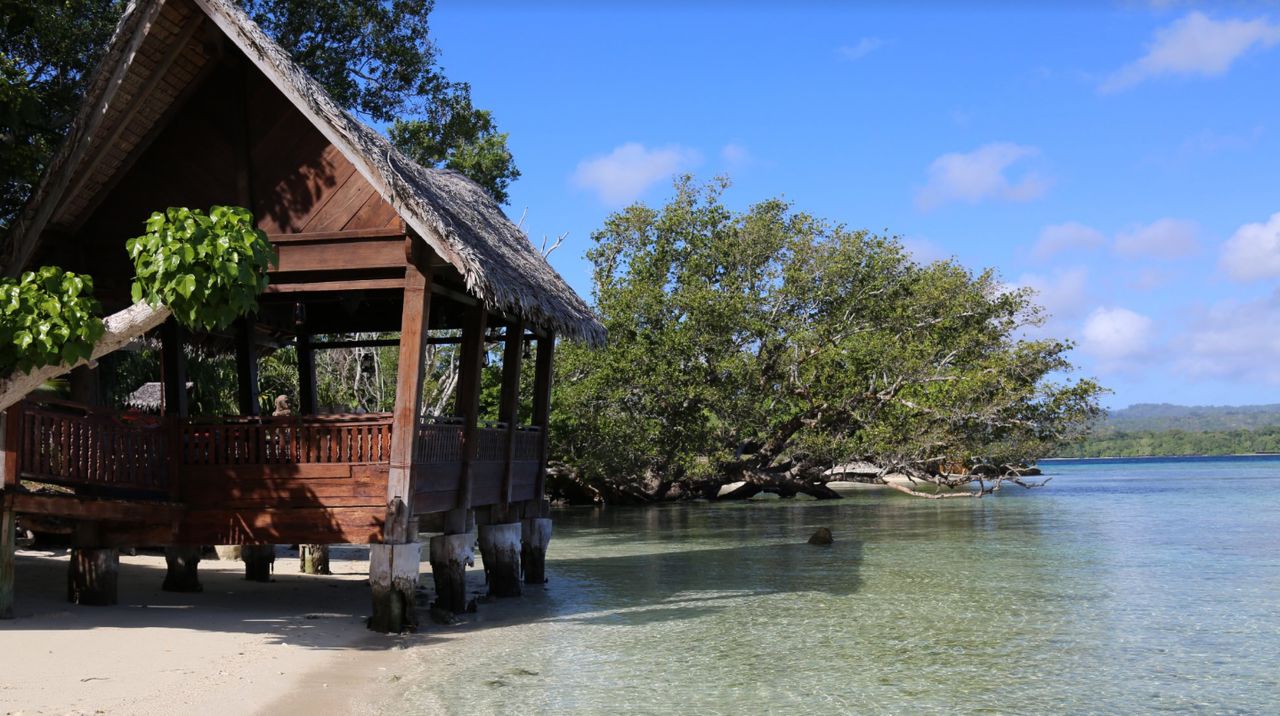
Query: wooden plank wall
[(318, 503)]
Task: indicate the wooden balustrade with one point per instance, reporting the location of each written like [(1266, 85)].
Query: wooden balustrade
[(439, 443), (72, 446), (528, 445), (286, 440)]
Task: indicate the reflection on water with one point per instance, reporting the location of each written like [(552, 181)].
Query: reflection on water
[(1124, 587)]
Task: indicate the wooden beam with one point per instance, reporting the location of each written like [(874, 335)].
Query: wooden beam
[(543, 369), (247, 368), (11, 433), (408, 409), (387, 232), (371, 343), (306, 376), (72, 507), (470, 365), (367, 284), (8, 543), (174, 369), (509, 406)]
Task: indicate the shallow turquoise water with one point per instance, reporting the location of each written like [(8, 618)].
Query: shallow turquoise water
[(1135, 586)]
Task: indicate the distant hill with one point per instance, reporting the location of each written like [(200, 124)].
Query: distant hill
[(1157, 417), (1165, 429)]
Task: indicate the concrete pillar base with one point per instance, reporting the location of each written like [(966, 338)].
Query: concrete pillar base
[(182, 576), (393, 577), (450, 557), (258, 561), (93, 576), (535, 536), (500, 551)]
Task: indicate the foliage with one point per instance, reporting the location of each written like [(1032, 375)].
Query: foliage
[(208, 269), (770, 345), (1120, 443), (49, 317), (46, 52), (1159, 417)]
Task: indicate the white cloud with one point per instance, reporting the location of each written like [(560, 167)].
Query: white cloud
[(980, 175), (735, 155), (1253, 252), (1234, 340), (1194, 45), (622, 175), (1164, 239), (1117, 335), (1066, 237), (863, 47), (1064, 294)]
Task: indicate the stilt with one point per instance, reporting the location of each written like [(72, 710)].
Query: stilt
[(535, 536), (314, 558), (8, 542), (500, 551), (450, 557), (258, 561), (93, 576), (228, 552), (393, 577), (182, 561)]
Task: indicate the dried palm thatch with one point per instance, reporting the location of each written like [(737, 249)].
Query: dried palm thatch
[(451, 213)]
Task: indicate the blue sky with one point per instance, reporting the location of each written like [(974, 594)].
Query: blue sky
[(1120, 158)]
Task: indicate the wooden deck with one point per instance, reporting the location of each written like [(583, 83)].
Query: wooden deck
[(243, 480)]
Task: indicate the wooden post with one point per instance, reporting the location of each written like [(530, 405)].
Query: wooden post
[(536, 533), (9, 426), (247, 368), (452, 552), (509, 407), (93, 573), (181, 561), (258, 561), (306, 376), (8, 558), (394, 564), (174, 369), (313, 559)]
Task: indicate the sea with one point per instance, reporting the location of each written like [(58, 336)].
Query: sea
[(1129, 586)]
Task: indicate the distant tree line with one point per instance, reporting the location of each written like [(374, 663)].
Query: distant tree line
[(1175, 443)]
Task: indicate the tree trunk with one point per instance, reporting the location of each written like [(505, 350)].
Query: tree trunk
[(535, 536), (314, 558), (450, 557), (258, 561), (121, 328), (181, 575), (500, 551)]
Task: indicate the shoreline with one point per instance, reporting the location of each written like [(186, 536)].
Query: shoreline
[(296, 645)]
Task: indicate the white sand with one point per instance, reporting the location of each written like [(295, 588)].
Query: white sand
[(296, 645)]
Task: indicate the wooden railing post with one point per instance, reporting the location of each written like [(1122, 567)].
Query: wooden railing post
[(470, 366), (12, 436)]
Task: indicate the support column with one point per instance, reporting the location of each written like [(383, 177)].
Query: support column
[(394, 565), (93, 574), (8, 544), (258, 561), (314, 558), (536, 528), (500, 547), (247, 368), (181, 573), (306, 376), (454, 551), (534, 538)]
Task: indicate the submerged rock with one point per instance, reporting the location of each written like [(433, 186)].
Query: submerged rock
[(821, 536)]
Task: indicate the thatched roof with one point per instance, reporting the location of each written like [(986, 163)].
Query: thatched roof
[(156, 49)]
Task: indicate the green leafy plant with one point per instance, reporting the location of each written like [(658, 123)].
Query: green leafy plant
[(47, 316), (208, 269)]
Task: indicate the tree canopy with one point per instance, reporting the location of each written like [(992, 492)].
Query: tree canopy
[(769, 345), (375, 58)]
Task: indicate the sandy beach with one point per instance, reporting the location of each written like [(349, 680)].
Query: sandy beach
[(295, 645)]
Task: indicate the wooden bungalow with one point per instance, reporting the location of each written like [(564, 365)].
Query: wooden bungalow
[(193, 106)]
